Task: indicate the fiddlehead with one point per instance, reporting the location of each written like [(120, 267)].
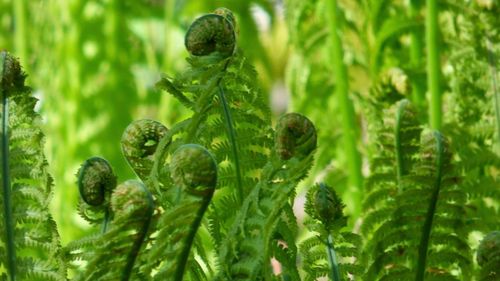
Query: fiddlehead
[(341, 257), (212, 33), (96, 181), (132, 206), (194, 173), (139, 142), (295, 135)]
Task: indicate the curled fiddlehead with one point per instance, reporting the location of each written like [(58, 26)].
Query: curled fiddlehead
[(194, 168), (133, 207), (139, 142), (194, 173), (295, 136), (96, 181), (212, 33)]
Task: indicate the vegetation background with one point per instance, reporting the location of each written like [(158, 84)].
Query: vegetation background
[(94, 63)]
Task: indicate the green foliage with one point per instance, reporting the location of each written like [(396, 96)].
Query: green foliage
[(29, 242), (218, 193)]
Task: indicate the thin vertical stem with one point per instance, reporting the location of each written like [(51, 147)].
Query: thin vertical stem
[(332, 259), (416, 55), (7, 203), (491, 58), (426, 229), (346, 108), (433, 65), (20, 31)]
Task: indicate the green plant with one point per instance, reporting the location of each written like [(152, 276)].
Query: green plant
[(214, 198)]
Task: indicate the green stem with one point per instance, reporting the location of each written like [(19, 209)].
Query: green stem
[(184, 255), (416, 55), (20, 34), (433, 65), (7, 203), (491, 58), (127, 271), (332, 259), (349, 126), (105, 223), (232, 138), (426, 229)]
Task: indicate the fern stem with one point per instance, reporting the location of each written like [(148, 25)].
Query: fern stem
[(416, 56), (433, 65), (332, 259), (105, 223), (136, 247), (7, 203), (491, 58), (184, 255), (346, 108), (426, 229), (232, 138), (398, 145)]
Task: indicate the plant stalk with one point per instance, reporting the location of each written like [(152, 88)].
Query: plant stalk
[(7, 203), (491, 58), (426, 229), (184, 255), (332, 259), (433, 65), (416, 55), (349, 126)]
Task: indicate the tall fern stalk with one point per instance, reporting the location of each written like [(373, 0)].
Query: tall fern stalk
[(416, 56), (426, 229), (345, 106), (433, 64), (7, 204), (491, 58), (332, 259)]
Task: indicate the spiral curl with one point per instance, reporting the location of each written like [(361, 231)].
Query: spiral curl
[(295, 136), (131, 199), (194, 168), (139, 142), (212, 33), (96, 181)]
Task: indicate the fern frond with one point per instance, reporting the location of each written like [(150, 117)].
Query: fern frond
[(331, 253), (29, 237), (132, 206)]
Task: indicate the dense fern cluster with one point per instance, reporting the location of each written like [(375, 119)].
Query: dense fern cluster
[(214, 194)]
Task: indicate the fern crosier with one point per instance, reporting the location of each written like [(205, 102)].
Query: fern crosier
[(139, 142), (331, 253), (29, 242)]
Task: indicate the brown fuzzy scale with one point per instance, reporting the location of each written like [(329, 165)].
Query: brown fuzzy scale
[(210, 33), (295, 136), (139, 142)]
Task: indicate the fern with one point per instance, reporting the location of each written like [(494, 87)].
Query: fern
[(29, 241), (322, 251)]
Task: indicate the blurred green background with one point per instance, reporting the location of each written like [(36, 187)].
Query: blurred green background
[(93, 65)]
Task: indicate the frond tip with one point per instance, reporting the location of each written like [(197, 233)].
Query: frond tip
[(295, 136), (194, 167)]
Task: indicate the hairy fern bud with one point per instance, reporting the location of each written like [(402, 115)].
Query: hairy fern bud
[(11, 75), (96, 180), (139, 142), (131, 199), (194, 168), (489, 249), (327, 204), (212, 33), (295, 136)]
